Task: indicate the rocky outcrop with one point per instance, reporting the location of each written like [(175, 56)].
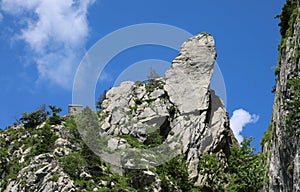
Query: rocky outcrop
[(282, 141), (141, 127), (188, 79), (181, 106), (37, 172), (44, 174)]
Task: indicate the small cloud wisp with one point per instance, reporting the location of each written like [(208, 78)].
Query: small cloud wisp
[(239, 120)]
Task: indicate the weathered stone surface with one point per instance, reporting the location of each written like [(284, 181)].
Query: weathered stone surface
[(181, 103), (178, 110), (38, 176), (283, 149), (188, 79)]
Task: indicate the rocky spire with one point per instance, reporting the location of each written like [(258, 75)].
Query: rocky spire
[(140, 125), (181, 105)]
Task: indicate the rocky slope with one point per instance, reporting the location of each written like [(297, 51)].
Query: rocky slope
[(148, 136), (282, 140), (181, 103), (167, 134)]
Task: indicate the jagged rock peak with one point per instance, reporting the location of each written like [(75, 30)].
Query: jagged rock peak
[(180, 105), (188, 79), (177, 112)]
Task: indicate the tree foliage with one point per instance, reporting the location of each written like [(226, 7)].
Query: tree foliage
[(73, 164), (286, 16), (174, 175), (37, 117), (32, 119), (55, 119), (213, 171), (245, 170)]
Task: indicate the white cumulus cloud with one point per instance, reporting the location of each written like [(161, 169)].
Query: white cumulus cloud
[(239, 120), (56, 31)]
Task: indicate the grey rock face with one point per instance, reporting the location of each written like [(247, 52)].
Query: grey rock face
[(188, 80), (40, 171), (181, 105), (284, 148), (179, 112)]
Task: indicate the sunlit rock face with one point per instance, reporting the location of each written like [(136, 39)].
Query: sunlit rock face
[(176, 113), (180, 103), (283, 148)]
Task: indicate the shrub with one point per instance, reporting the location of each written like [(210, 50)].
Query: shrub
[(246, 168), (137, 179), (73, 164), (287, 17), (55, 177), (267, 137), (133, 141), (154, 139), (293, 106), (55, 119), (213, 170), (87, 185), (3, 160), (43, 142), (153, 84), (32, 119), (174, 174)]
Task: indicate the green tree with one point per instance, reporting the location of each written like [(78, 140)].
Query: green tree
[(246, 168), (213, 171), (32, 119), (55, 110), (73, 164), (174, 175), (245, 171), (55, 119), (46, 140)]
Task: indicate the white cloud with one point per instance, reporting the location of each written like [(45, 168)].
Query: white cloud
[(56, 31), (239, 120)]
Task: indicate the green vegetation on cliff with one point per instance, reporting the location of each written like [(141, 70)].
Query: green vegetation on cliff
[(87, 170), (244, 172), (287, 20), (293, 107)]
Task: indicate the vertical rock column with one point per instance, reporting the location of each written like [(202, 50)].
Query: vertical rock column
[(198, 126)]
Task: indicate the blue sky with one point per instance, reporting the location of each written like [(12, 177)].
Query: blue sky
[(43, 42)]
